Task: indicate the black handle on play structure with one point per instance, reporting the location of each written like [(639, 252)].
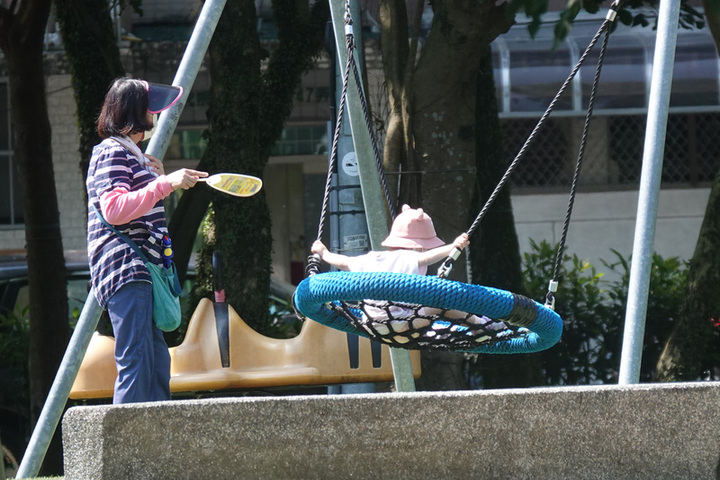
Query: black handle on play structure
[(220, 307), (217, 272)]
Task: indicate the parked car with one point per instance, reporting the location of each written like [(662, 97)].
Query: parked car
[(14, 294), (13, 281)]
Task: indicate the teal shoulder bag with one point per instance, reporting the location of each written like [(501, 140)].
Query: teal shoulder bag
[(165, 285)]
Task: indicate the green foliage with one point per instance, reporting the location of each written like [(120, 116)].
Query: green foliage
[(628, 13), (14, 344), (593, 313), (666, 297), (14, 375), (584, 354)]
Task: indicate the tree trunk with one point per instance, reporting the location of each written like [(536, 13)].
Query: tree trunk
[(395, 61), (691, 351), (238, 227), (21, 39), (248, 107), (444, 119), (442, 135), (693, 346), (495, 252)]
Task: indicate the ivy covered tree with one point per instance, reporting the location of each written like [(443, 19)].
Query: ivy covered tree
[(251, 96), (93, 58)]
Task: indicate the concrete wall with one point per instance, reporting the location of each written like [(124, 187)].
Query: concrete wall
[(660, 431)]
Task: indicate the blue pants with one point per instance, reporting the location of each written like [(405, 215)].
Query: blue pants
[(141, 354)]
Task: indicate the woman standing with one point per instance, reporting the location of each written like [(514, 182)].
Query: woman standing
[(128, 188)]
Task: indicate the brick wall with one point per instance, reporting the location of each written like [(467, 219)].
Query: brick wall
[(68, 180), (66, 158)]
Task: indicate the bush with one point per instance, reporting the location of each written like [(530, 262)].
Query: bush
[(666, 296), (14, 384), (593, 313)]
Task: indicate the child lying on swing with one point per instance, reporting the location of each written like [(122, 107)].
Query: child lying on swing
[(414, 246)]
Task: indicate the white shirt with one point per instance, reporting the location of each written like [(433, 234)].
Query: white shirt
[(399, 261)]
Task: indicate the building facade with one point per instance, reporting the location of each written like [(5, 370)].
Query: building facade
[(528, 73)]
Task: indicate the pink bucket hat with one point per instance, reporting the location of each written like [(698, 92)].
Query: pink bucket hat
[(413, 228)]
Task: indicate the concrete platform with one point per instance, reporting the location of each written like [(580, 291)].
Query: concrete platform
[(659, 431)]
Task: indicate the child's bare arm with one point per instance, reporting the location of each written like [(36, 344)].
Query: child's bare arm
[(335, 259), (440, 253)]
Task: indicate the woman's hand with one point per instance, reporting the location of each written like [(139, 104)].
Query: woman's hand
[(184, 178), (155, 165)]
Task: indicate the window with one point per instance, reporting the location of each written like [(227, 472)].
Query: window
[(529, 72), (10, 198), (302, 140), (187, 143), (536, 72)]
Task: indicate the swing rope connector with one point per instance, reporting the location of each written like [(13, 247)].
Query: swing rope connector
[(446, 267), (348, 20), (550, 297), (612, 12)]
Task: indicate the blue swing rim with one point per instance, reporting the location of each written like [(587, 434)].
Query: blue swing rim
[(543, 326)]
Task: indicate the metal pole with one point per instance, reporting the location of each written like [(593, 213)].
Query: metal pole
[(373, 197), (349, 231), (55, 402), (56, 399), (186, 74), (659, 101)]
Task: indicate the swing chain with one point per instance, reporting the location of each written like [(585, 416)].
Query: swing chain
[(552, 288)]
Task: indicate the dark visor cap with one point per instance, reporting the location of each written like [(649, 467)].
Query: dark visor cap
[(161, 97)]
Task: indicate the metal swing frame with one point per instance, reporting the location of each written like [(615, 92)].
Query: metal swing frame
[(319, 295)]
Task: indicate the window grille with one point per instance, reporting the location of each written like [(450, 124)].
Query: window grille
[(614, 151)]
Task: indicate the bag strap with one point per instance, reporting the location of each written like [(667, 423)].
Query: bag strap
[(122, 236)]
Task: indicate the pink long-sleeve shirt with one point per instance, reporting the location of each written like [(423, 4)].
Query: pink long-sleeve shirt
[(119, 206)]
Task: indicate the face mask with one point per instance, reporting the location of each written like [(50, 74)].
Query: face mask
[(149, 133)]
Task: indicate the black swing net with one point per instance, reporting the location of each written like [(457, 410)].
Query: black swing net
[(433, 312)]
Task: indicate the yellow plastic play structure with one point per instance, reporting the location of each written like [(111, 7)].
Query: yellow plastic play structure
[(317, 355)]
